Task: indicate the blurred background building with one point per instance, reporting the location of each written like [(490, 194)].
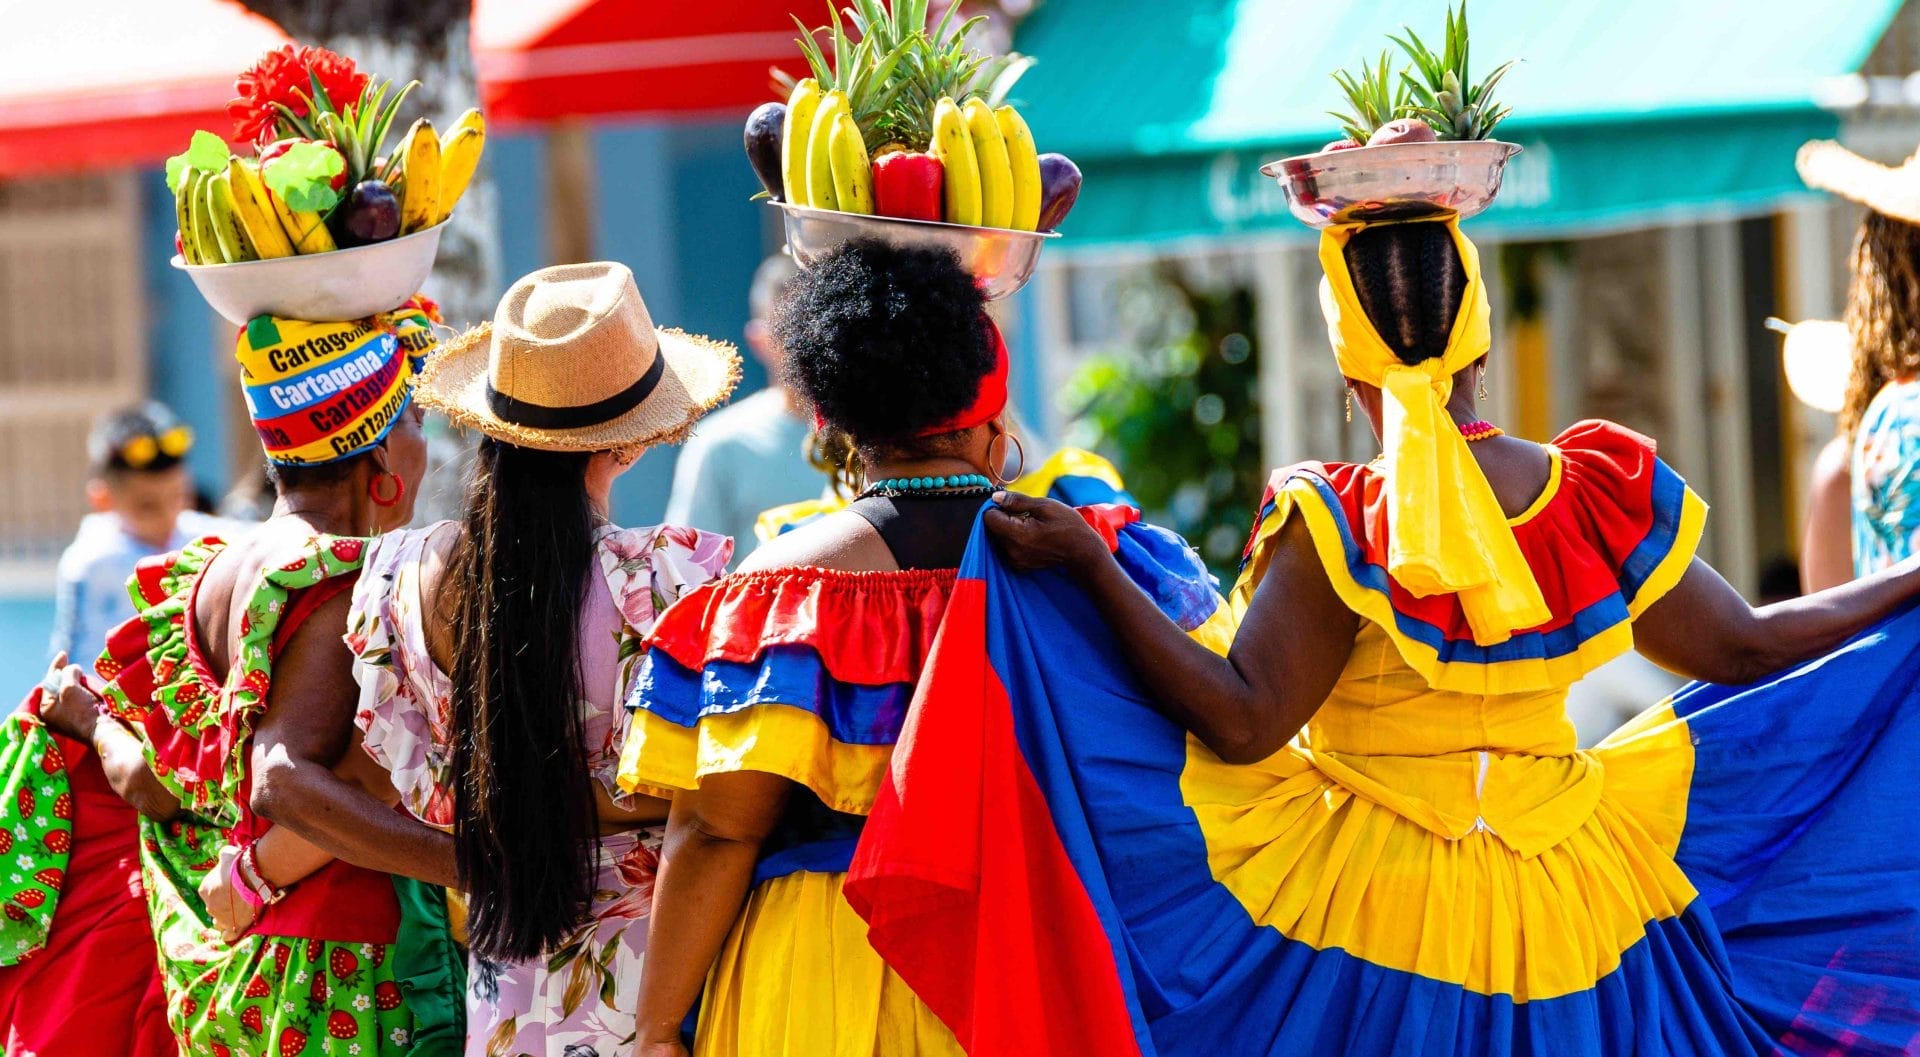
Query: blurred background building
[(1652, 224)]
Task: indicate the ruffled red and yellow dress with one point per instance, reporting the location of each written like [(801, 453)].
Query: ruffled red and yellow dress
[(1434, 865), (804, 673)]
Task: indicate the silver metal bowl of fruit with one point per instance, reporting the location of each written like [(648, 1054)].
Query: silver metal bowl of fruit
[(1000, 258), (1393, 181), (334, 286)]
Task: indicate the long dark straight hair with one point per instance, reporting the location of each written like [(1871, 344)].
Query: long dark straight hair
[(524, 813)]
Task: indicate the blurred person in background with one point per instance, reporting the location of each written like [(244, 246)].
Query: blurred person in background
[(1880, 411), (141, 497), (752, 455)]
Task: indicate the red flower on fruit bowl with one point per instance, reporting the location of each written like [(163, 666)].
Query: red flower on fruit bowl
[(285, 77)]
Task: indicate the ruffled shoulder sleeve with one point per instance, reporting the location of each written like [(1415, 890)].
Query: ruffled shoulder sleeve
[(403, 714), (1611, 533), (647, 570), (198, 730), (803, 672), (1632, 509)]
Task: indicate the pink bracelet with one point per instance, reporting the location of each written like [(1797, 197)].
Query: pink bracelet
[(259, 893), (239, 880)]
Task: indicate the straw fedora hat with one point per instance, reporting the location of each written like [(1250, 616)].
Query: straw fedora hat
[(1890, 189), (573, 362)]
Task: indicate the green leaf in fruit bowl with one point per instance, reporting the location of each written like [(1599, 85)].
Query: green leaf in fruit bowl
[(206, 152), (302, 177)]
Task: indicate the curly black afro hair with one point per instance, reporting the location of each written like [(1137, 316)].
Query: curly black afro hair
[(883, 340)]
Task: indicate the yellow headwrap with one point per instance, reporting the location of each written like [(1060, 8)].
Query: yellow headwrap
[(1447, 532), (321, 392)]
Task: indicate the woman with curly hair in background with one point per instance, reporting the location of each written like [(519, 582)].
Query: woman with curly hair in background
[(1864, 512)]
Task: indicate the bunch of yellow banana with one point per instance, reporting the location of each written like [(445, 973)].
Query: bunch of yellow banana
[(429, 173), (227, 217), (992, 170), (459, 158)]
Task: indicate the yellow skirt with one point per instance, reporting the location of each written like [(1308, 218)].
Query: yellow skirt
[(797, 978)]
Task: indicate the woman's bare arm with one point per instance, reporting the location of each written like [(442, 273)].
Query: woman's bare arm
[(1826, 547), (1703, 629), (706, 869), (308, 732), (1286, 656)]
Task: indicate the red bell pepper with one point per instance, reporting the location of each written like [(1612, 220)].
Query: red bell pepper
[(908, 184)]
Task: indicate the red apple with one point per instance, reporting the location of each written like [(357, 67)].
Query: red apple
[(1402, 130)]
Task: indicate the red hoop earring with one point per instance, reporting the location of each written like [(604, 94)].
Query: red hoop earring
[(399, 489)]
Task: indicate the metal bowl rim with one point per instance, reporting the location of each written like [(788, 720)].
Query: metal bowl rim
[(179, 261), (1277, 169), (978, 229)]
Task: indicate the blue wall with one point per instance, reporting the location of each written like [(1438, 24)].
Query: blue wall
[(188, 373), (674, 205)]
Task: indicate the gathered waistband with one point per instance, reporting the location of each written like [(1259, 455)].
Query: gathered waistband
[(1528, 802)]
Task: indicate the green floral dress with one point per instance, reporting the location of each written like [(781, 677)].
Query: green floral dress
[(36, 832), (327, 988)]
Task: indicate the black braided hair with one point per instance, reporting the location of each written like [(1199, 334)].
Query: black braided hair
[(1410, 283)]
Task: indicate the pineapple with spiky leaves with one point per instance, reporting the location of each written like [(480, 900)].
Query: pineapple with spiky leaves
[(1374, 97), (863, 70), (358, 129), (1443, 93), (908, 67)]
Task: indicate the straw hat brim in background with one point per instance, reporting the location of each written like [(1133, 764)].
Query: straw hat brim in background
[(699, 375), (1818, 360), (1893, 190)]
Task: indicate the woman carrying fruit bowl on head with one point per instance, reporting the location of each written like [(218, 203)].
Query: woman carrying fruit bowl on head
[(494, 654), (770, 699), (1371, 829), (235, 676)]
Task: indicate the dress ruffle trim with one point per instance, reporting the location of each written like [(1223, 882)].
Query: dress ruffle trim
[(805, 673), (871, 628), (197, 730), (1613, 533)]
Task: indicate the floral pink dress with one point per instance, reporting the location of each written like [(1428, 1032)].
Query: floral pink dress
[(579, 1000)]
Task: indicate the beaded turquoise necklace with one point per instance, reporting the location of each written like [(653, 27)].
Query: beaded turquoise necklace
[(948, 486)]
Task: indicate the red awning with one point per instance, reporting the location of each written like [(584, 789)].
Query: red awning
[(92, 84), (543, 59), (100, 83)]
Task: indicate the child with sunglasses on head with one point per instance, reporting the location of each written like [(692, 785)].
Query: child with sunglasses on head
[(141, 496)]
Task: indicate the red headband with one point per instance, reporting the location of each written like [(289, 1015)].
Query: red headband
[(992, 397), (988, 402)]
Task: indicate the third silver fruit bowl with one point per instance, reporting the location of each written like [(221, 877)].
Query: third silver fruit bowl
[(1001, 259), (1394, 181)]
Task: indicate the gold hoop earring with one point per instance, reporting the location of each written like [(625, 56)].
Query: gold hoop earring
[(995, 463)]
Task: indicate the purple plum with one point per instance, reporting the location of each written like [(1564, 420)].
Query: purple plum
[(765, 127), (1059, 189), (371, 213)]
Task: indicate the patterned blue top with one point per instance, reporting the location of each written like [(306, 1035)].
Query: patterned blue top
[(1886, 479)]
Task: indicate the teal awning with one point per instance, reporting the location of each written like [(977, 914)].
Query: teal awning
[(1629, 110)]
